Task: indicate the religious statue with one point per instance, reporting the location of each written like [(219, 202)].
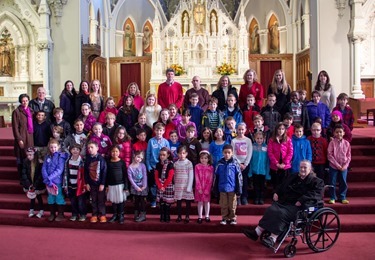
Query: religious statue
[(147, 41), (213, 24), (274, 37), (128, 42), (199, 14), (255, 39), (186, 23), (6, 54)]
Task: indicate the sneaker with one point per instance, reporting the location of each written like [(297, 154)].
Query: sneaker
[(268, 242), (331, 202), (40, 214), (94, 219), (252, 234), (223, 222), (233, 222), (153, 204), (82, 218), (103, 219), (345, 201), (31, 213), (244, 201), (73, 218)]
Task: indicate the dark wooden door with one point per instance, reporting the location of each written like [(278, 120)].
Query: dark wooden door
[(267, 69), (130, 72)]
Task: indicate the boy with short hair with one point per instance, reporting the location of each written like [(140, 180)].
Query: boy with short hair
[(249, 111), (316, 109), (42, 134), (195, 111), (242, 151), (259, 127), (288, 122), (230, 129), (319, 146), (302, 96), (232, 109), (193, 145), (213, 117), (229, 183), (140, 144), (270, 115), (298, 110), (345, 109), (152, 158), (110, 125), (339, 156), (58, 114), (301, 148), (95, 177)]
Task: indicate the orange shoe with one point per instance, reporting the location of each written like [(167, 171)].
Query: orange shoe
[(103, 219), (94, 219)]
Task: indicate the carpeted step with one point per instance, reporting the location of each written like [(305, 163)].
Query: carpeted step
[(361, 174), (362, 161), (8, 173), (7, 142), (6, 151), (366, 150), (358, 205), (7, 161), (349, 223), (362, 140)]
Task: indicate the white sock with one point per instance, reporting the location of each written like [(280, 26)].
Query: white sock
[(259, 230), (207, 209), (274, 237), (200, 209)]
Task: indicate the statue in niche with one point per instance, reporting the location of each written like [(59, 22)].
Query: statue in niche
[(199, 13), (147, 41), (213, 24), (274, 37), (128, 40), (6, 54), (255, 40), (186, 23)]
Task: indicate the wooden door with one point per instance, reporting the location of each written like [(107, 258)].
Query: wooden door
[(368, 87), (130, 72), (267, 69)]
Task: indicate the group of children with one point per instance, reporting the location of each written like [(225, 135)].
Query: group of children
[(169, 158)]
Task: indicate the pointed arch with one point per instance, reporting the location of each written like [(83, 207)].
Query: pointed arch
[(129, 38), (273, 34), (148, 31)]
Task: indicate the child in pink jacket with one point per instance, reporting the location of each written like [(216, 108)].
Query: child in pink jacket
[(280, 152)]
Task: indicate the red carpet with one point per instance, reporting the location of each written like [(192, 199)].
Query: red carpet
[(36, 243)]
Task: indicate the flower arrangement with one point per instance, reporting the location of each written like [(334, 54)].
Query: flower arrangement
[(225, 69), (178, 69)]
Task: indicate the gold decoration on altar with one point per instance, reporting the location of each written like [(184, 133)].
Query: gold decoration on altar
[(225, 69), (178, 69)]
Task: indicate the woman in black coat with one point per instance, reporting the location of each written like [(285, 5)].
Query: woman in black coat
[(224, 88), (297, 192)]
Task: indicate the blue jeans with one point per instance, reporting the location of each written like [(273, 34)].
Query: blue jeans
[(340, 176)]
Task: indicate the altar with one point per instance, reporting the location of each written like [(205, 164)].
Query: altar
[(199, 37)]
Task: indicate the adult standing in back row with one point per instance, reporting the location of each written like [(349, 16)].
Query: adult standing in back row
[(281, 89), (203, 95), (251, 86), (326, 90), (170, 91), (224, 88)]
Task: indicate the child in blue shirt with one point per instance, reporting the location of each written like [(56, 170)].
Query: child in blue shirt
[(301, 148)]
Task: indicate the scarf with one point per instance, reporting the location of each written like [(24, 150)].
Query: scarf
[(164, 169), (30, 127)]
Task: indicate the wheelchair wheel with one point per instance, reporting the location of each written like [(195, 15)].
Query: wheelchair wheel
[(322, 229), (290, 250)]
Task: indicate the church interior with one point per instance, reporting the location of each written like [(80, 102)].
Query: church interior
[(47, 42)]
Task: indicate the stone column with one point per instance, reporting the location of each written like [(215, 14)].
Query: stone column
[(283, 39), (306, 31), (263, 41), (356, 70), (138, 44)]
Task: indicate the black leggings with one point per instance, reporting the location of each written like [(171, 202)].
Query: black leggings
[(139, 203), (179, 207), (40, 202)]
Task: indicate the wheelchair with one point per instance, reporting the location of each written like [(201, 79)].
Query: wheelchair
[(318, 227)]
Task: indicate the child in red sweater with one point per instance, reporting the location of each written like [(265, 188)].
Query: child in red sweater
[(319, 146)]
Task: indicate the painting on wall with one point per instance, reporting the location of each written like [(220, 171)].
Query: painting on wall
[(147, 39), (273, 35), (254, 37), (129, 38)]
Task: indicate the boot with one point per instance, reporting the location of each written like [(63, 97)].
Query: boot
[(52, 209), (60, 216), (142, 217), (167, 211), (120, 210), (114, 216), (162, 212), (19, 170), (136, 215)]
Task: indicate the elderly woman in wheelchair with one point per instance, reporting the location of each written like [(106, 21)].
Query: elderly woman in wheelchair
[(295, 196)]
